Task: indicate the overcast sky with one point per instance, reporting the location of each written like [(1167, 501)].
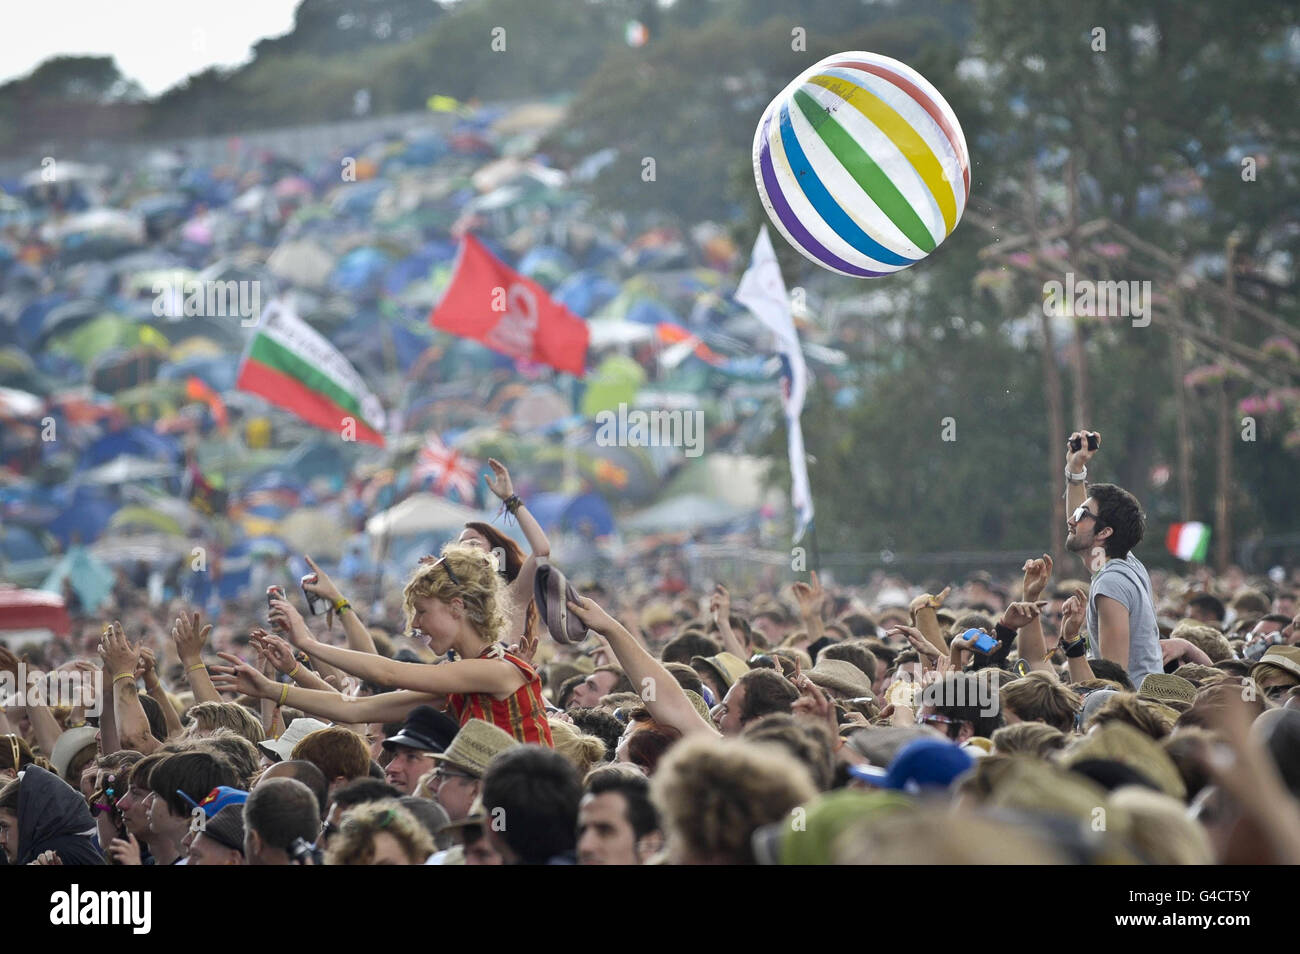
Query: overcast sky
[(156, 42)]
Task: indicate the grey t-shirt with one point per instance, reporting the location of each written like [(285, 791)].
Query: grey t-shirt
[(1127, 582)]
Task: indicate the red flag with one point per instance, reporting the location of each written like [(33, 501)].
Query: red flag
[(509, 313)]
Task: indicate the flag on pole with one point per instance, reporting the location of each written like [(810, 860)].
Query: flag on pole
[(509, 313), (295, 367), (1189, 541), (447, 468), (762, 291)]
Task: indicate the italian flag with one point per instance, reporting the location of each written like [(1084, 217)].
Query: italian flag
[(1189, 541), (295, 367)]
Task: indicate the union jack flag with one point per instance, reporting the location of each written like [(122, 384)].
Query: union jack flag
[(448, 469)]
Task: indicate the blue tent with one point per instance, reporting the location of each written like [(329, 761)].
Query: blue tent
[(85, 517), (359, 270), (218, 373), (647, 311), (584, 293), (138, 441), (585, 514)]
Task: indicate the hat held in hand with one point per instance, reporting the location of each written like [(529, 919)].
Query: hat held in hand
[(552, 593)]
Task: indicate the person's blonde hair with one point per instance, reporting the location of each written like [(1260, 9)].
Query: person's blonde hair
[(713, 794), (207, 716), (1204, 637), (582, 750), (1028, 738), (1159, 828), (355, 842), (1038, 697), (479, 588), (1143, 714)]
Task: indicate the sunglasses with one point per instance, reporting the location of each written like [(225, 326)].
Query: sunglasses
[(1081, 512)]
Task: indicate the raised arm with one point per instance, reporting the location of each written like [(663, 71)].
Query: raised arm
[(239, 676), (147, 669), (925, 616), (499, 483), (190, 638), (120, 658), (1073, 641), (358, 636), (1027, 619), (720, 610), (1076, 463), (811, 599), (662, 694)]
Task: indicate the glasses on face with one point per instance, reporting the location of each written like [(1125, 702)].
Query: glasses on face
[(1276, 693), (1081, 512), (938, 720), (441, 775)]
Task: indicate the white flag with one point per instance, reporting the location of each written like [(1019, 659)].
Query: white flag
[(762, 291)]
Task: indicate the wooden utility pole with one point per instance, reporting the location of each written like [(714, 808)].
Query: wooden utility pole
[(1079, 344), (1223, 463), (1176, 344), (1052, 392)]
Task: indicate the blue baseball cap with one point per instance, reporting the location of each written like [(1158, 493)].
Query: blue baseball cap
[(921, 764), (217, 799)]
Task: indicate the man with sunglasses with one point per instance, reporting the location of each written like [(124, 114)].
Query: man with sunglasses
[(1105, 523)]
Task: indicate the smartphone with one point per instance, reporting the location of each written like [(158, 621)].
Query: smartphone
[(984, 643), (315, 604), (1076, 443)]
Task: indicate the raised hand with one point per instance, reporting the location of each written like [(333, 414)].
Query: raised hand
[(120, 655), (1019, 615), (324, 586), (810, 597), (592, 615), (1178, 648), (1073, 613), (928, 601), (240, 677), (526, 648), (1076, 460), (190, 638), (814, 702), (146, 667), (1037, 573), (499, 481), (276, 650), (285, 617), (720, 604), (916, 638)]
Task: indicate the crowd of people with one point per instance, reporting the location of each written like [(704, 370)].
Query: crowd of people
[(1092, 714)]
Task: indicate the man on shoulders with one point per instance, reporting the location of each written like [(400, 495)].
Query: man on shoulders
[(1105, 523)]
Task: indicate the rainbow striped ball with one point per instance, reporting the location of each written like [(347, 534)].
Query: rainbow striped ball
[(862, 165)]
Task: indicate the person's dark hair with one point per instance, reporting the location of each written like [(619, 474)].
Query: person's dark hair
[(957, 696), (431, 816), (539, 792), (686, 677), (856, 653), (766, 692), (1275, 618), (599, 723), (310, 775), (1119, 510), (1234, 667), (859, 624), (282, 810), (635, 789), (195, 774), (138, 774), (153, 712), (564, 696), (623, 684), (1210, 604), (361, 790), (881, 651), (1185, 747), (1109, 669), (681, 648)]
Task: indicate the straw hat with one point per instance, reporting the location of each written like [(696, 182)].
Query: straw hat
[(1168, 690), (727, 666), (475, 745), (841, 676)]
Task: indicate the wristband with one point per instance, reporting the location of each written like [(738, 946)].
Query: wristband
[(513, 503), (295, 671), (124, 675), (194, 667), (1076, 478), (1077, 648), (284, 694), (341, 604)]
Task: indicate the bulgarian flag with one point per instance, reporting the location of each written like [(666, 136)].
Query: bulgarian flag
[(1189, 541), (295, 367)]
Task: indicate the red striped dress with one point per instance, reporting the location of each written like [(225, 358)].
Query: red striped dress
[(522, 714)]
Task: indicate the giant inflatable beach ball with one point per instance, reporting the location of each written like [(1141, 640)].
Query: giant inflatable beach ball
[(862, 165)]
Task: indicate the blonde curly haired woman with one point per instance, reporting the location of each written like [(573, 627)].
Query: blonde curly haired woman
[(456, 604), (379, 833)]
